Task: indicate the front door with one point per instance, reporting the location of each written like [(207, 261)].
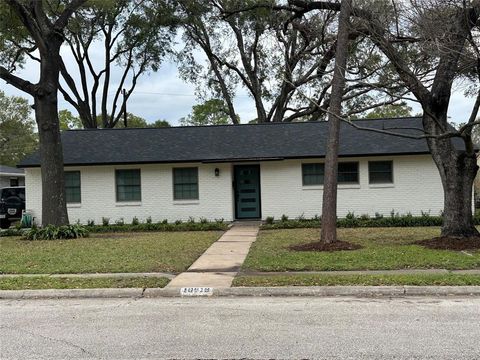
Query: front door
[(247, 191)]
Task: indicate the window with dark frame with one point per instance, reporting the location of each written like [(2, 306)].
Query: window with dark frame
[(314, 173), (185, 183), (348, 173), (13, 181), (73, 191), (380, 172), (128, 185)]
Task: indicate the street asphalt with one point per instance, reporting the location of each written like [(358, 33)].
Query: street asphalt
[(249, 327)]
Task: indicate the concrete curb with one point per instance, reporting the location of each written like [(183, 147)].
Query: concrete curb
[(315, 291)]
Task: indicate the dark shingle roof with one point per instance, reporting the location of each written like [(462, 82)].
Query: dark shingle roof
[(232, 143), (11, 170)]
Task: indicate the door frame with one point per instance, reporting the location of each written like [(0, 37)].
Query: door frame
[(235, 184)]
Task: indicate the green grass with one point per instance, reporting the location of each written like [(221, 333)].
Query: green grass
[(44, 282), (128, 252), (383, 249), (363, 280)]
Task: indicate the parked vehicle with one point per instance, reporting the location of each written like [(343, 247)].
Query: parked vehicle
[(12, 203)]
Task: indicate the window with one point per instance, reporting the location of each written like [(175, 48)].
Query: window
[(72, 187), (185, 183), (348, 173), (128, 185), (380, 172), (13, 181), (313, 174)]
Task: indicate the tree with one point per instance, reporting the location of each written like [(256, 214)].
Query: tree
[(134, 35), (17, 129), (44, 23), (134, 121), (211, 112), (445, 34), (390, 111), (329, 204), (68, 121), (284, 62), (159, 124)]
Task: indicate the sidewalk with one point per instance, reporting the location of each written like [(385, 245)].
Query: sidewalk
[(222, 261)]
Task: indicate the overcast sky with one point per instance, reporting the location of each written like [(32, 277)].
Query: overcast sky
[(163, 95)]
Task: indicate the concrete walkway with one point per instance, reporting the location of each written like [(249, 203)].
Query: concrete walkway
[(221, 262)]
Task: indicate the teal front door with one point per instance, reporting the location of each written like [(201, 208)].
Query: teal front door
[(247, 191)]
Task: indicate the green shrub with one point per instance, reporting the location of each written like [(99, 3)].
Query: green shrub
[(90, 222), (425, 213), (350, 215), (177, 226), (105, 221), (269, 220), (135, 221), (120, 221), (12, 232), (284, 218), (407, 220), (148, 220), (301, 217), (52, 232)]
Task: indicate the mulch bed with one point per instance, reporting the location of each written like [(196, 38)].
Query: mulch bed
[(451, 243), (319, 246)]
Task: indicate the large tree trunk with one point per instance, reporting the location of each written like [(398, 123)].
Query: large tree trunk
[(457, 171), (457, 186), (329, 205), (54, 208)]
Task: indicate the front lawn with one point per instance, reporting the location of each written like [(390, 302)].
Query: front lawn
[(383, 249), (120, 252), (45, 282), (362, 280)]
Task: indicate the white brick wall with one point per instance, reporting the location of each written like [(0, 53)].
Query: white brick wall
[(416, 187), (99, 200)]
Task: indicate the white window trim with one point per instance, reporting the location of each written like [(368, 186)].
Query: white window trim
[(186, 202), (381, 185), (74, 205), (128, 203)]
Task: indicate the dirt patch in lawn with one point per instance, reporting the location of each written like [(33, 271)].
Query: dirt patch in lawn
[(451, 243), (319, 246)]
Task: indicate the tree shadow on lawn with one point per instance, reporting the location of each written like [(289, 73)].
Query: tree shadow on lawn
[(327, 247), (451, 243)]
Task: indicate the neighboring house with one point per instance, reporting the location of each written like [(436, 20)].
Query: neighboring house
[(240, 172), (10, 176)]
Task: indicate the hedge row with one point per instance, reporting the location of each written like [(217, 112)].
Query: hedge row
[(52, 232), (184, 226), (397, 221)]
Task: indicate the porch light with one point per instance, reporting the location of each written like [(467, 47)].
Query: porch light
[(217, 172)]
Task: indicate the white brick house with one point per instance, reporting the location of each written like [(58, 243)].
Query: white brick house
[(239, 171)]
